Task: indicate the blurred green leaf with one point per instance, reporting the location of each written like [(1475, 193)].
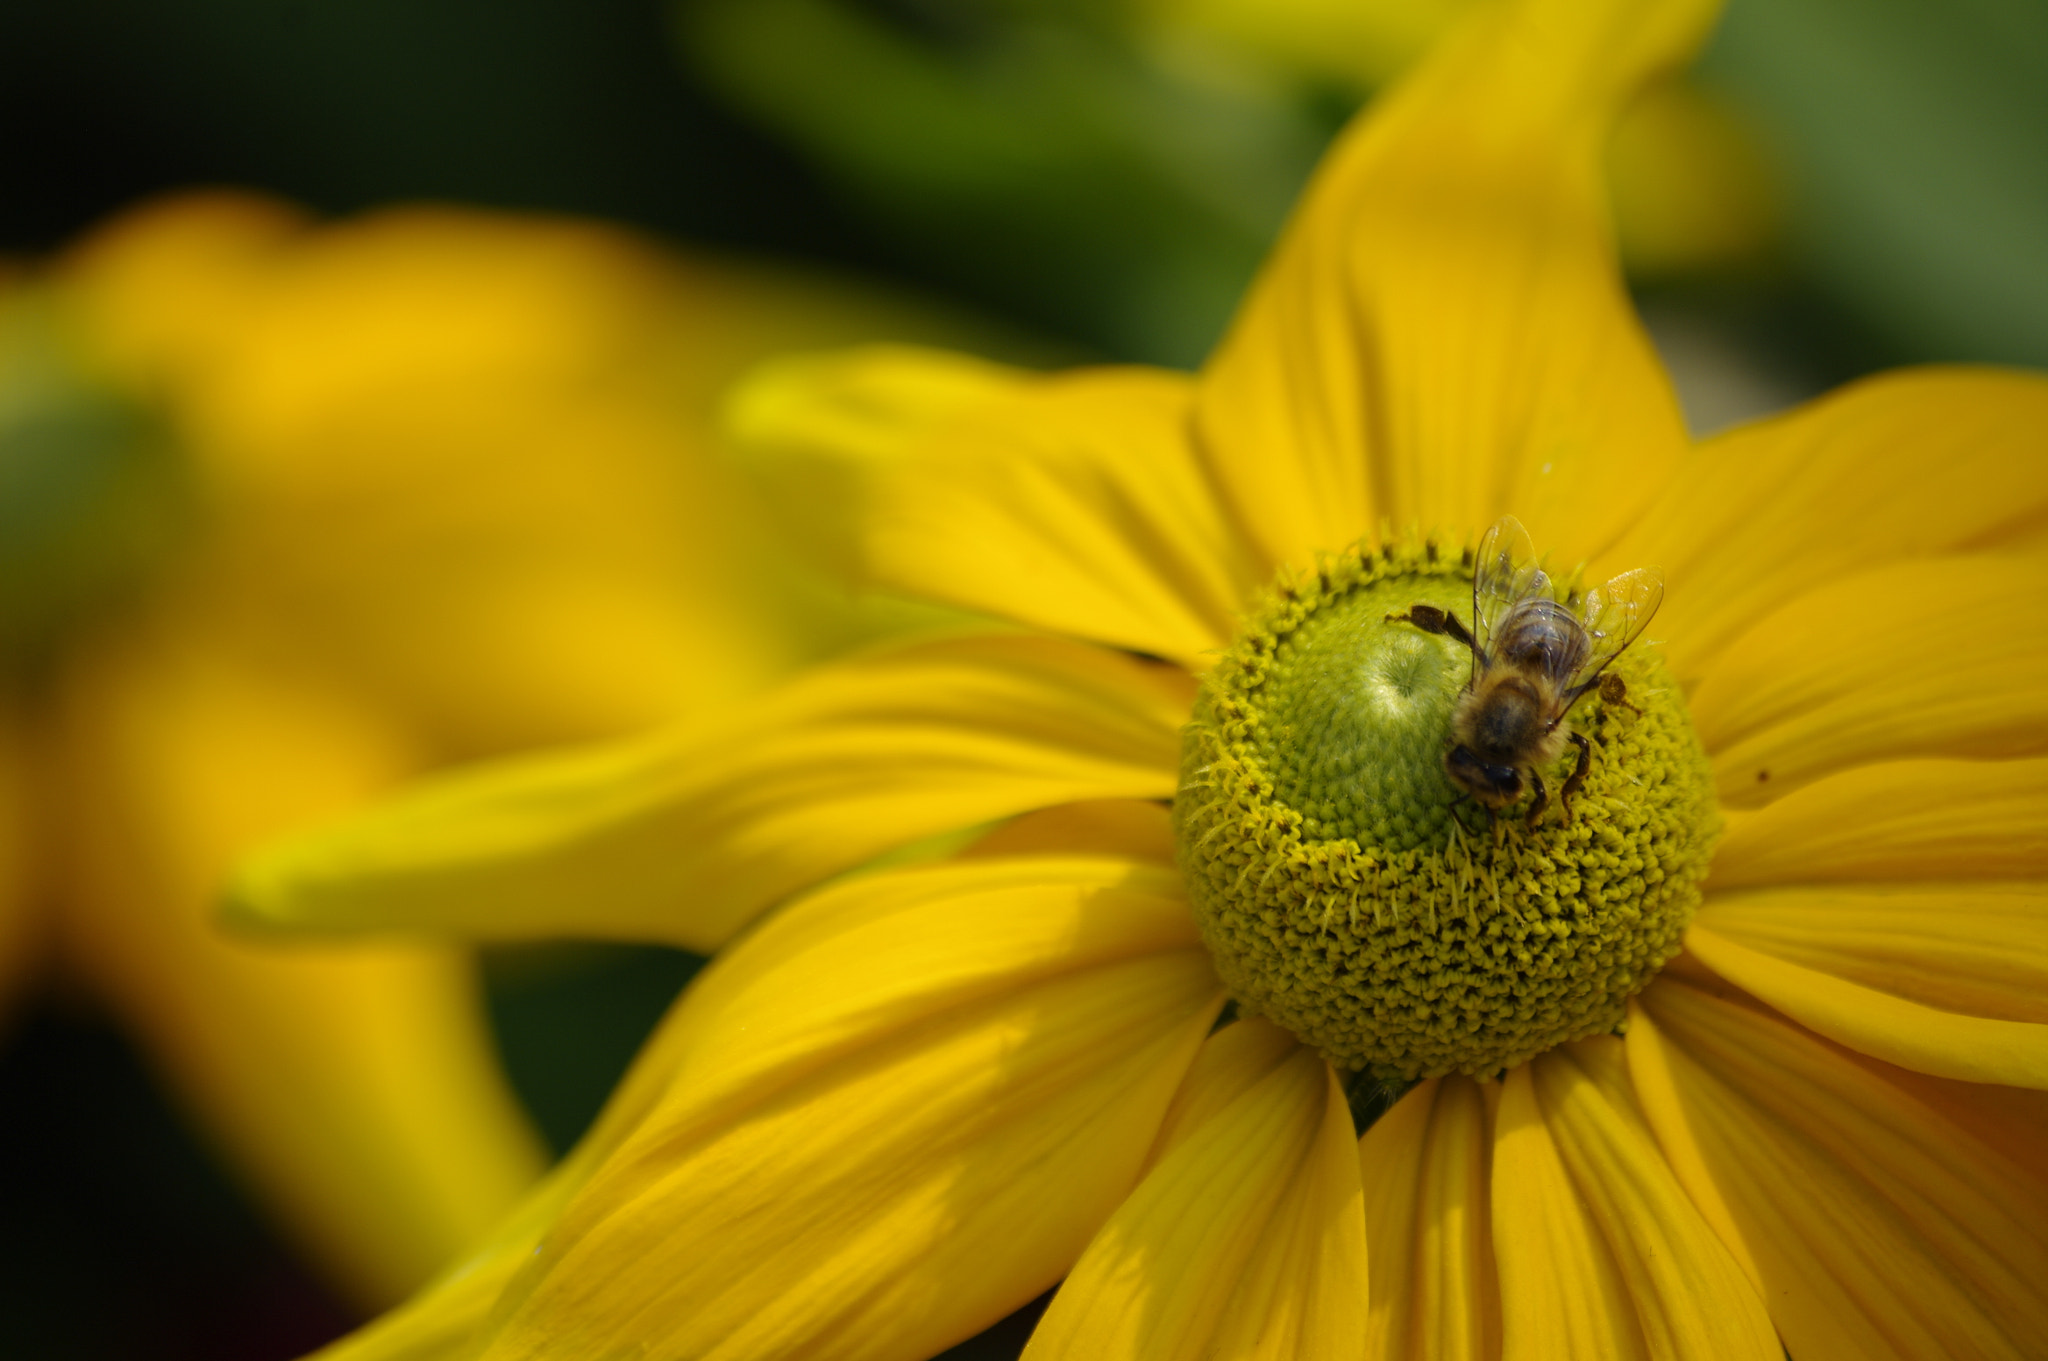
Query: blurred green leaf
[(1916, 133), (1051, 166)]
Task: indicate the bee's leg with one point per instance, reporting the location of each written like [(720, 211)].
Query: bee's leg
[(1577, 779), (1452, 809), (1542, 800), (1457, 630), (1430, 619), (1614, 690)]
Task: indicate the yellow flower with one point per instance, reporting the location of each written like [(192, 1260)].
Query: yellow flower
[(296, 513), (919, 1095)]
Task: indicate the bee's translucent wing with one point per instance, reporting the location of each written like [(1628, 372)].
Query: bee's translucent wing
[(1615, 616), (1504, 573)]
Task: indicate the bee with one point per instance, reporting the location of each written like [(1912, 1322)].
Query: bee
[(1533, 657)]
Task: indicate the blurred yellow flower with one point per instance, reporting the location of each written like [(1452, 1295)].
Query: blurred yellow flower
[(1693, 185), (293, 512), (958, 1067)]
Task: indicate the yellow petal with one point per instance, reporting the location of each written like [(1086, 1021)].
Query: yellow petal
[(1561, 1292), (1945, 820), (357, 1090), (1443, 335), (903, 1107), (1042, 916), (1072, 503), (1600, 1251), (1912, 464), (1233, 1060), (1946, 984), (2007, 1120), (817, 430), (1246, 1240), (1880, 1226), (439, 454), (1976, 948), (1920, 659), (165, 284), (1131, 828), (447, 1319), (444, 1321), (686, 836), (1427, 1165)]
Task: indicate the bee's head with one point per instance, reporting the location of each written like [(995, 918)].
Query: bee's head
[(1494, 786)]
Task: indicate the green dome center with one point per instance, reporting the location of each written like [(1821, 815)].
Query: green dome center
[(1351, 894)]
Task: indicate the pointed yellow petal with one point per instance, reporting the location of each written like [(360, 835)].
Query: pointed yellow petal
[(1921, 659), (1246, 1240), (1943, 982), (356, 1089), (1880, 1225), (924, 950), (2007, 1120), (686, 836), (902, 1108), (1233, 1060), (818, 430), (448, 1319), (1443, 335), (1131, 828), (1912, 464), (1561, 1293), (1427, 1165), (1073, 503), (444, 1321), (1601, 1253), (1977, 948), (1943, 820)]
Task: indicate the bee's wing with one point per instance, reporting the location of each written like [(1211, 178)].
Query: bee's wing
[(1615, 616), (1504, 573)]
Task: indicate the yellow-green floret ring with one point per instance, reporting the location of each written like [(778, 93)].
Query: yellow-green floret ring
[(1349, 896)]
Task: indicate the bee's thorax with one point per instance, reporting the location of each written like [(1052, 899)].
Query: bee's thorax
[(1508, 720), (1541, 636)]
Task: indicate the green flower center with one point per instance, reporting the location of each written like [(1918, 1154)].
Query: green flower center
[(1352, 894)]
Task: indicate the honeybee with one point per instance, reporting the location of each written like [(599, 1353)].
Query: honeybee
[(1533, 658)]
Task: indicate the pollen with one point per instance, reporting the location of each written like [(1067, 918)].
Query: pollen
[(1351, 894)]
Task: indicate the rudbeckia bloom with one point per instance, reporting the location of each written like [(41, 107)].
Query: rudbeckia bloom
[(1205, 764), (290, 513)]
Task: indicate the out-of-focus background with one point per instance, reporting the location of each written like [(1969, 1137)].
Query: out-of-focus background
[(301, 495)]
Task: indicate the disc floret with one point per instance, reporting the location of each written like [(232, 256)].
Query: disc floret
[(1346, 891)]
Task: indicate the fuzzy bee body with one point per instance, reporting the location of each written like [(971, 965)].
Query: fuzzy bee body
[(1533, 657)]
